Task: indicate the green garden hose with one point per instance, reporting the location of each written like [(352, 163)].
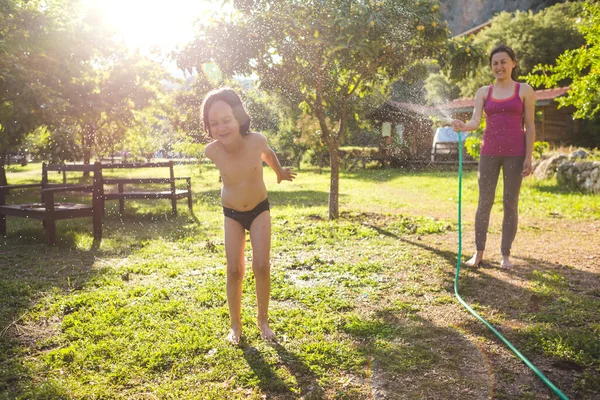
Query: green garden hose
[(540, 375)]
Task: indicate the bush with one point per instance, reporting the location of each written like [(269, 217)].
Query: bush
[(539, 148), (317, 157), (473, 146)]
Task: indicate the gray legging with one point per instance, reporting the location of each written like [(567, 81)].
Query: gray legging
[(489, 170)]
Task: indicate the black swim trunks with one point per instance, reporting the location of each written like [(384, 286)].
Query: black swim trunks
[(245, 218)]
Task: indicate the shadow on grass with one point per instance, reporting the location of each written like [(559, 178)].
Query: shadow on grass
[(409, 357), (554, 306), (300, 198), (388, 174), (268, 380), (551, 186), (273, 385)]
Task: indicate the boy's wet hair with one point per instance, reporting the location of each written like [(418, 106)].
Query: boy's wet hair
[(230, 97), (511, 53)]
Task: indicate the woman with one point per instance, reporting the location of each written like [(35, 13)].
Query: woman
[(508, 105)]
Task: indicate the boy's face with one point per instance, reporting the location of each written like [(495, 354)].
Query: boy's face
[(222, 124)]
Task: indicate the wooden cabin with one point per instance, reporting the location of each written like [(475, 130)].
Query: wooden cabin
[(407, 131)]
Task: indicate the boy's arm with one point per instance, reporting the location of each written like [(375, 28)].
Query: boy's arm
[(209, 151), (269, 156)]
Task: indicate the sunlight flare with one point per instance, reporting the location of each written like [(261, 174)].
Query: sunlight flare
[(147, 25)]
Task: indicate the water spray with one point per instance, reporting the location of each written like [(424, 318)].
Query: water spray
[(528, 363)]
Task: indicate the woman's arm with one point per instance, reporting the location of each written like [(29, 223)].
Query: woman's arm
[(529, 103), (475, 120)]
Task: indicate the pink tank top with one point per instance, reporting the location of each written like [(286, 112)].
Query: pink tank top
[(504, 135)]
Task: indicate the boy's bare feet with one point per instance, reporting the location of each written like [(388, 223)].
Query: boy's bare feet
[(475, 260), (506, 264), (234, 336), (265, 332)]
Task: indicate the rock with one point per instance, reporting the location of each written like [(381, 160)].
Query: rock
[(584, 176), (578, 154), (462, 15), (545, 168)]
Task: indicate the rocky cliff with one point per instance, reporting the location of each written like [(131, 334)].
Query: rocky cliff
[(463, 15)]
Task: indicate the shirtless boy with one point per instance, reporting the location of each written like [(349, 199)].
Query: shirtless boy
[(238, 154)]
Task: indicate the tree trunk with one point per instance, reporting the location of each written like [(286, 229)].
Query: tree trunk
[(2, 170), (334, 186), (86, 161), (86, 144)]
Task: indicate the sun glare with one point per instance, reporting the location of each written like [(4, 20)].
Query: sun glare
[(144, 24)]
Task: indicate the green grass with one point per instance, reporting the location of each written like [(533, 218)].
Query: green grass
[(144, 314)]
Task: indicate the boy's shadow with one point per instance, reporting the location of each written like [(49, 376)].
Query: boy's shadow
[(270, 382)]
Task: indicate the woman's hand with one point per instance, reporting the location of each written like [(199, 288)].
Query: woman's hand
[(527, 167), (286, 174), (459, 125)]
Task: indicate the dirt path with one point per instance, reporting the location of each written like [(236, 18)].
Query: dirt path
[(473, 363)]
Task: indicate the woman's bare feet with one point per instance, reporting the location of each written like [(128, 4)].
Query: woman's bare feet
[(235, 335), (475, 260), (265, 332), (506, 264)]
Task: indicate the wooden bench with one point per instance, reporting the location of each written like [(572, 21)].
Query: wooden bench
[(48, 210), (125, 188)]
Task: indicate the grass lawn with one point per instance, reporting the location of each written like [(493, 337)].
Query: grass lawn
[(363, 307)]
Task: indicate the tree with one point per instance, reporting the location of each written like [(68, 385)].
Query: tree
[(440, 89), (330, 54), (57, 146), (102, 103), (187, 100), (31, 64), (580, 66)]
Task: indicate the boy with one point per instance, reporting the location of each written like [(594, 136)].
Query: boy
[(238, 154)]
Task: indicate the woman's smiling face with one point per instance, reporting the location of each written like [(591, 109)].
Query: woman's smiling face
[(502, 65)]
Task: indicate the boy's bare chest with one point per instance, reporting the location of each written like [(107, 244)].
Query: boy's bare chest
[(240, 167)]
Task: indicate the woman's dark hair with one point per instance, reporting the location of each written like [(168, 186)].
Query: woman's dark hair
[(511, 53), (230, 97)]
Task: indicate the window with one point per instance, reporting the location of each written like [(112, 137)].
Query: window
[(386, 129), (400, 132)]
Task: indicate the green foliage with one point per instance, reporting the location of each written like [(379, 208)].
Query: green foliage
[(440, 89), (473, 146), (461, 56), (187, 99), (336, 66), (474, 141), (579, 66), (58, 146), (278, 119), (189, 149), (539, 148), (34, 59), (63, 72)]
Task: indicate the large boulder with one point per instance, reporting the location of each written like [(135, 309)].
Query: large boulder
[(584, 176), (546, 167), (578, 154)]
